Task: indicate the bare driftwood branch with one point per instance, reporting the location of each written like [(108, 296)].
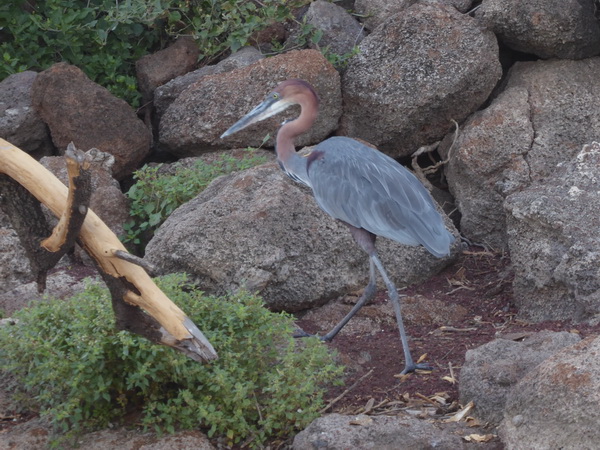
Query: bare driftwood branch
[(23, 180), (146, 265), (68, 228), (422, 173)]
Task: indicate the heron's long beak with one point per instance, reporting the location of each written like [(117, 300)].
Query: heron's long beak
[(269, 107)]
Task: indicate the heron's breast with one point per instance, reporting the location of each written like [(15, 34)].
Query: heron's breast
[(313, 156)]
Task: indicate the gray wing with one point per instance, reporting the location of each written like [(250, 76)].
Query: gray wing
[(367, 189)]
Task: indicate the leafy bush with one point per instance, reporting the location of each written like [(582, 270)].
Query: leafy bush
[(105, 37), (154, 196), (82, 373)]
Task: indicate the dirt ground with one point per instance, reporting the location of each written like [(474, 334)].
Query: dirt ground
[(468, 304)]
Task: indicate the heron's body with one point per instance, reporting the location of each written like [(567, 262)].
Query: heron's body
[(367, 190)]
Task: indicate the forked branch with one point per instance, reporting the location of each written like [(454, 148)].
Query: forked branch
[(25, 183)]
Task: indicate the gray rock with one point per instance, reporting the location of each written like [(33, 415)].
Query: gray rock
[(341, 32), (14, 265), (554, 406), (566, 29), (32, 435), (545, 113), (35, 435), (554, 242), (423, 68), (80, 111), (340, 432), (20, 124), (195, 121), (62, 283), (374, 12), (492, 370), (135, 440), (165, 95), (107, 201), (158, 68), (563, 99), (258, 229), (488, 162)]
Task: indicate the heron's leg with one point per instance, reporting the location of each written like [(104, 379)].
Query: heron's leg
[(409, 365), (367, 295)]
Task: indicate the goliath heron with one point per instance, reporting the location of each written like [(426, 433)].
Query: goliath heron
[(369, 192)]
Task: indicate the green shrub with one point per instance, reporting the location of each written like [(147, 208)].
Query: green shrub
[(154, 196), (82, 373), (105, 37)]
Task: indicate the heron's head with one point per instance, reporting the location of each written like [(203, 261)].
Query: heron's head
[(286, 94)]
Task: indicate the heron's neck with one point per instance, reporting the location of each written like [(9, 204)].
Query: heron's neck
[(286, 150), (292, 163)]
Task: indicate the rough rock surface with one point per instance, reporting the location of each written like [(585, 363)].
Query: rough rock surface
[(80, 111), (165, 94), (107, 201), (35, 435), (60, 283), (554, 241), (544, 115), (564, 29), (563, 100), (260, 230), (341, 32), (20, 124), (554, 405), (195, 121), (340, 432), (415, 74), (488, 162), (491, 371), (374, 12), (14, 265), (158, 68)]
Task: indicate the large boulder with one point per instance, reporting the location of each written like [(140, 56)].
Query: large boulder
[(566, 29), (80, 111), (418, 71), (340, 31), (158, 68), (554, 242), (492, 370), (194, 122), (341, 432), (488, 162), (107, 200), (545, 113), (374, 12), (259, 230), (555, 405), (20, 124), (165, 95)]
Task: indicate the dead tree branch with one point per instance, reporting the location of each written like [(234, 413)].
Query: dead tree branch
[(25, 184)]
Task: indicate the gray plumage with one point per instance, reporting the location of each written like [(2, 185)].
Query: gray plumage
[(367, 189)]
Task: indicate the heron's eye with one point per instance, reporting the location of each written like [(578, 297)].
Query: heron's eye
[(275, 96)]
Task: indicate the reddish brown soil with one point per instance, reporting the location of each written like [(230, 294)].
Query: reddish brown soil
[(481, 283)]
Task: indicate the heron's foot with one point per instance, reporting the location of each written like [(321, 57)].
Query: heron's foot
[(300, 333), (412, 367)]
